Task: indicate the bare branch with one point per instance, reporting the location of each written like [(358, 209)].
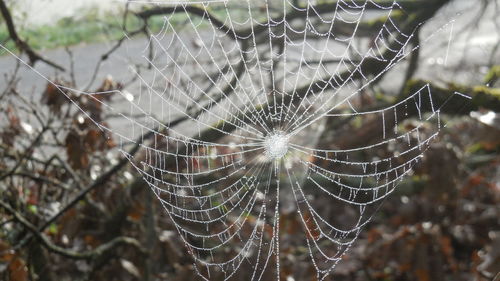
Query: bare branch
[(95, 253), (21, 44)]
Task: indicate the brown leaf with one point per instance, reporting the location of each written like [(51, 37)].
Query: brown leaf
[(476, 180), (6, 255), (91, 240), (289, 223), (13, 118), (422, 275), (136, 211), (75, 149), (374, 235), (13, 128), (447, 250), (108, 85), (92, 139), (98, 140), (18, 270), (55, 97), (312, 229), (93, 103)]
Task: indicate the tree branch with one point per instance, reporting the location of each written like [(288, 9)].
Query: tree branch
[(194, 10), (372, 66), (95, 253), (21, 44), (443, 98), (493, 75), (292, 15)]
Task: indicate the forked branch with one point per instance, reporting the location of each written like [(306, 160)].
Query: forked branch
[(95, 253), (21, 44)]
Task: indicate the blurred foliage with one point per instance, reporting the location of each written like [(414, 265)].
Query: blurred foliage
[(442, 224), (89, 27)]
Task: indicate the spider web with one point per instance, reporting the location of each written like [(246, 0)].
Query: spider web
[(229, 76), (232, 74)]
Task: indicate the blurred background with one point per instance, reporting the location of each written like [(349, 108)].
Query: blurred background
[(71, 208)]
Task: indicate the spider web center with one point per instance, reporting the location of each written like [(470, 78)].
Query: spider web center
[(276, 145)]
